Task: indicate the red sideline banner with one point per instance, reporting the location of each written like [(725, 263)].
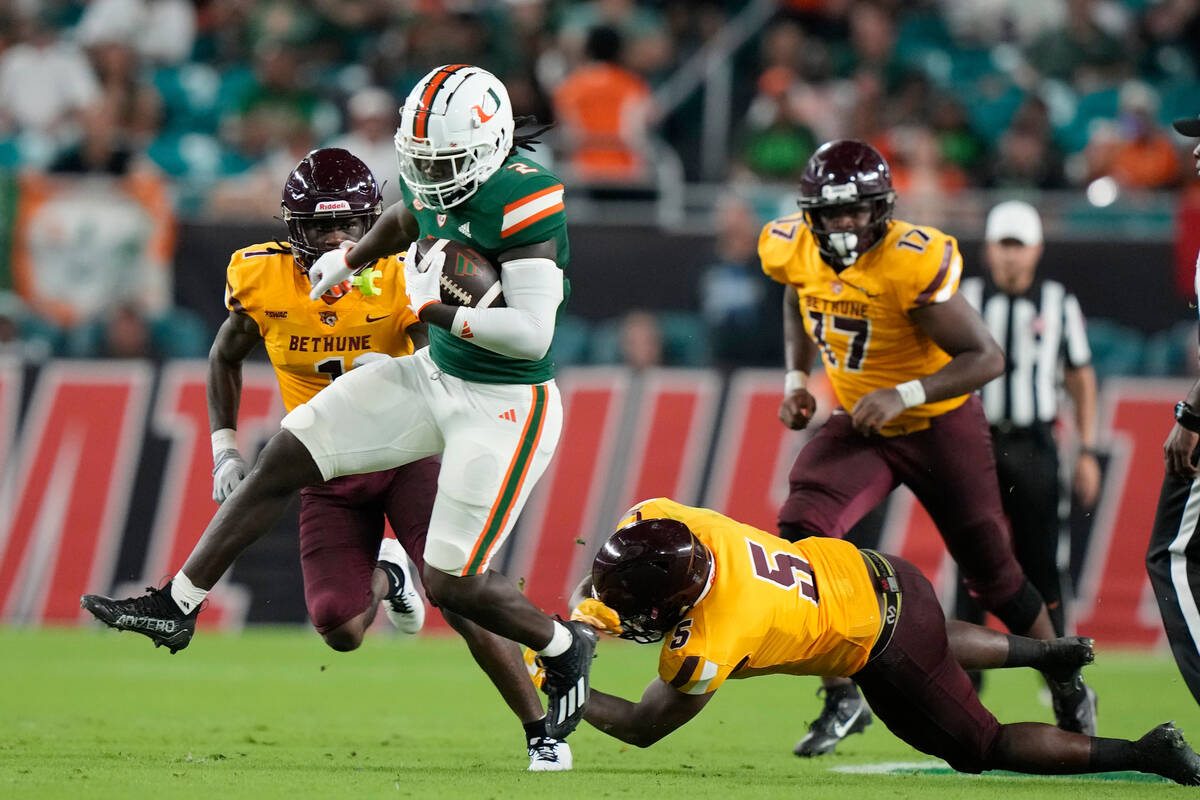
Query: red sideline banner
[(107, 485)]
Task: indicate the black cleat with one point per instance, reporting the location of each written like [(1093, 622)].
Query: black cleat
[(566, 685), (1066, 655), (154, 614), (845, 713), (1074, 704), (1165, 753)]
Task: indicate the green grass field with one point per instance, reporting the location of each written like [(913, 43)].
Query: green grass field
[(274, 713)]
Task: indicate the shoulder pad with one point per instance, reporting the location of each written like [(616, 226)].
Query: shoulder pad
[(777, 244)]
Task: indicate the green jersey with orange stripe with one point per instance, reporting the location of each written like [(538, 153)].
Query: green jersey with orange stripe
[(520, 204)]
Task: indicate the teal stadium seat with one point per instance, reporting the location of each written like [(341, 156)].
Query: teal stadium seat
[(1178, 99), (991, 105), (572, 338), (1170, 352), (181, 333), (685, 337), (1100, 104), (46, 334), (10, 153), (920, 34), (177, 333), (189, 94), (1116, 349)]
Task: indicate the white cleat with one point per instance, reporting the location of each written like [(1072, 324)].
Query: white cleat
[(405, 609), (549, 755)]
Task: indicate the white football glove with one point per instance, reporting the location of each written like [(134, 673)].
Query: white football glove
[(422, 281), (228, 471), (369, 357), (329, 270)]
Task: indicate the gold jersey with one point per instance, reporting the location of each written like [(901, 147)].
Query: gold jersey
[(774, 606), (859, 318), (312, 342)]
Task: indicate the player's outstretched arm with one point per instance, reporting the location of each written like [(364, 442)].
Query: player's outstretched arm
[(958, 329), (395, 230), (236, 337), (661, 710)]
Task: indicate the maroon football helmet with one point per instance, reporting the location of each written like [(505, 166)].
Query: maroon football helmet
[(328, 184), (651, 572), (846, 175)]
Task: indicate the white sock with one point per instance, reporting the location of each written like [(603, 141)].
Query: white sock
[(559, 642), (186, 595)]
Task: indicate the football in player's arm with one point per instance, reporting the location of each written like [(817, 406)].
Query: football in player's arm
[(689, 576), (482, 395)]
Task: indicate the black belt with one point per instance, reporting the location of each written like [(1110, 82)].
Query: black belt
[(884, 579)]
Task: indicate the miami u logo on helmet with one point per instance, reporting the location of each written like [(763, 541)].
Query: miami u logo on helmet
[(483, 116)]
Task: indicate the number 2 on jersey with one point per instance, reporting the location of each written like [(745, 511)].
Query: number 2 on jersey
[(858, 331)]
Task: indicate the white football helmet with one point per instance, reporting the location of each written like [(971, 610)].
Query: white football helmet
[(456, 129)]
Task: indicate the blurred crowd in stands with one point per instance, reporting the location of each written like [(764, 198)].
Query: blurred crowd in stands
[(218, 99)]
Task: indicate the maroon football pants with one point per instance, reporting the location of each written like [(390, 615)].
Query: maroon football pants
[(841, 474), (341, 526), (917, 688)]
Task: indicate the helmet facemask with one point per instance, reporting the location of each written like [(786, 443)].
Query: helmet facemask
[(652, 573), (306, 229), (840, 247), (845, 176), (329, 189), (443, 178), (456, 128)]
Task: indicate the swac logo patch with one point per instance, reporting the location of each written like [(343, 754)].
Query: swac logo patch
[(333, 205), (329, 318), (441, 220)]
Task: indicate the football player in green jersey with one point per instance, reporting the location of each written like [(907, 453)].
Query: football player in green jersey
[(482, 394)]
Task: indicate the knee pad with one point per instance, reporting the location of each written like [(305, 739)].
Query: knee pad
[(1019, 611)]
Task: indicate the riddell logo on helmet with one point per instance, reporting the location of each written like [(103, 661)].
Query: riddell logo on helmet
[(333, 205), (847, 191)]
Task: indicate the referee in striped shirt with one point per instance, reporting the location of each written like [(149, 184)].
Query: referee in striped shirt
[(1173, 558), (1041, 329)]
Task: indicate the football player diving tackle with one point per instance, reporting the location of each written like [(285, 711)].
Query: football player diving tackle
[(730, 601), (878, 299), (482, 395)]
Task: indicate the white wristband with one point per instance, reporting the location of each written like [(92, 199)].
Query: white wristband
[(912, 393), (224, 439), (794, 380)]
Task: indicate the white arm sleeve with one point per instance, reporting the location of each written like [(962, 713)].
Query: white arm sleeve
[(533, 290)]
